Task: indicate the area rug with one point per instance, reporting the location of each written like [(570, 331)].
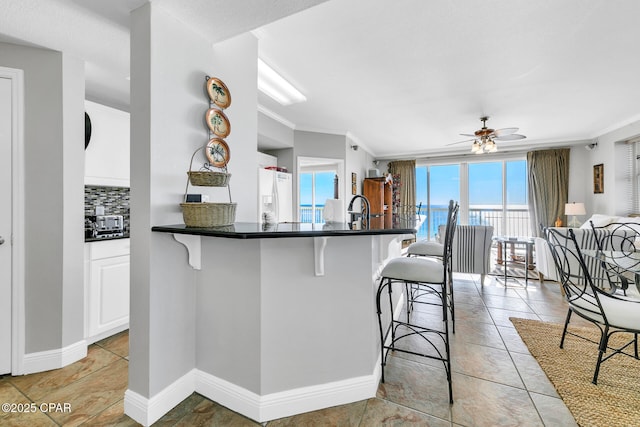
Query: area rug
[(615, 401)]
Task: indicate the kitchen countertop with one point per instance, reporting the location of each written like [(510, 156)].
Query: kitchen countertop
[(95, 239), (252, 230), (304, 290)]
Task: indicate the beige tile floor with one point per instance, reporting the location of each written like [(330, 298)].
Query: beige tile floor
[(496, 381)]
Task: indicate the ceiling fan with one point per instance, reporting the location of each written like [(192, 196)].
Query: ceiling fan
[(484, 139)]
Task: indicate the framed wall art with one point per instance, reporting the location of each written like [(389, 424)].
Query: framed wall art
[(354, 187), (598, 178)]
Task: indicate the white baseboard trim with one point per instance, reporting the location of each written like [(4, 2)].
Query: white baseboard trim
[(148, 411), (107, 334), (283, 404), (53, 359), (258, 408)]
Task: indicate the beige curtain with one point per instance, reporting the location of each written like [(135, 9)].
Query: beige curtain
[(548, 172), (406, 170)]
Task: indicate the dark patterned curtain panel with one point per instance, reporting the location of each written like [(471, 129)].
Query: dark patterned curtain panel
[(406, 169), (548, 172)]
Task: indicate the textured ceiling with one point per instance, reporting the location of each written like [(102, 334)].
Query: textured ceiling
[(98, 31), (401, 78), (410, 78)]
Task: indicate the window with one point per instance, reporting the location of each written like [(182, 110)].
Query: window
[(315, 188), (633, 172), (435, 186), (316, 183), (490, 193)]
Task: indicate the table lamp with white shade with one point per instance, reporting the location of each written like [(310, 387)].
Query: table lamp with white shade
[(574, 209)]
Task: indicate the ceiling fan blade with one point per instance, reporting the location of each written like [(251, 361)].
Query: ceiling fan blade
[(460, 142), (505, 131), (470, 135), (512, 137)]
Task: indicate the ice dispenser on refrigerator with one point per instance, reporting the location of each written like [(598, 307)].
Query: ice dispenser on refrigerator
[(275, 196)]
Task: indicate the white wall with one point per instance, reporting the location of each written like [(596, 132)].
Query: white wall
[(360, 162), (169, 62), (580, 186), (107, 156), (54, 164), (331, 146), (273, 134), (72, 210), (612, 154)]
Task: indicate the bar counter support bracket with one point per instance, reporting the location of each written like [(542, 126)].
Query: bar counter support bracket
[(193, 245), (319, 243)]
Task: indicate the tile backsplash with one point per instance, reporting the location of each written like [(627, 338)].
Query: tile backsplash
[(114, 199)]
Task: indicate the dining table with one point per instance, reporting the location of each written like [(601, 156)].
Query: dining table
[(527, 242)]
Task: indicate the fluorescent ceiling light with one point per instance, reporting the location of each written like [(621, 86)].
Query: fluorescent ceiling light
[(274, 85)]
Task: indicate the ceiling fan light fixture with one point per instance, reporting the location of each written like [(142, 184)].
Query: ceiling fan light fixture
[(490, 146), (476, 147), (484, 139)]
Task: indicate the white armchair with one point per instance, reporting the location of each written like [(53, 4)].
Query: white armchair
[(586, 239), (472, 249), (544, 261)]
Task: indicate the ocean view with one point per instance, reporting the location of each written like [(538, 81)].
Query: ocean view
[(490, 187), (517, 218)]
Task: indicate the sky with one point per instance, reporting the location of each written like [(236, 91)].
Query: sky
[(324, 187), (485, 184)]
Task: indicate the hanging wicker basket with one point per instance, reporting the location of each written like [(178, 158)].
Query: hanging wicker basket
[(208, 214), (209, 178)]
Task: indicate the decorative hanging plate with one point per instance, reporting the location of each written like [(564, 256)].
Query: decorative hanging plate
[(218, 122), (218, 92), (217, 152)]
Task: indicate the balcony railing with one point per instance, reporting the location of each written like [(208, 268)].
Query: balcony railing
[(308, 213), (517, 221)]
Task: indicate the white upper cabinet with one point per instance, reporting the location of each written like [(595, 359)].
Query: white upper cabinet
[(107, 156)]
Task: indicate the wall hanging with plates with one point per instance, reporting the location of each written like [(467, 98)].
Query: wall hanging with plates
[(218, 92), (213, 173), (217, 122)]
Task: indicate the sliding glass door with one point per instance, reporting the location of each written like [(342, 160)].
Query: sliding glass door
[(435, 186), (489, 192), (486, 205), (517, 209), (315, 189)]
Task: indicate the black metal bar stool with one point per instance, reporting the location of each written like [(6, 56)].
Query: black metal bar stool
[(433, 249), (422, 277)]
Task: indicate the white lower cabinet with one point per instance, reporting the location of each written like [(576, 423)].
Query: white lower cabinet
[(107, 289)]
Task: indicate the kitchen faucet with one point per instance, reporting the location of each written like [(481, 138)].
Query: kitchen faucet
[(356, 215)]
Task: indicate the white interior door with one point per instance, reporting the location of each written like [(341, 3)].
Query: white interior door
[(5, 225)]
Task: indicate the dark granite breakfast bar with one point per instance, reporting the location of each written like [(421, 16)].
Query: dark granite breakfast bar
[(285, 313)]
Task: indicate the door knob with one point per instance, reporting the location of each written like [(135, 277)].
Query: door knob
[(1, 240)]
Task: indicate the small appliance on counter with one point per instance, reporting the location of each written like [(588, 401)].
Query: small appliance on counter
[(104, 226)]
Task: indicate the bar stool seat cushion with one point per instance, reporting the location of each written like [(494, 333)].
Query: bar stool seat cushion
[(426, 248), (414, 270)]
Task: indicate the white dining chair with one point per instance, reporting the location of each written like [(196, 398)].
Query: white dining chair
[(612, 314)]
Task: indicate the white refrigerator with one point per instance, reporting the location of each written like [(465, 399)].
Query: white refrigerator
[(275, 195)]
